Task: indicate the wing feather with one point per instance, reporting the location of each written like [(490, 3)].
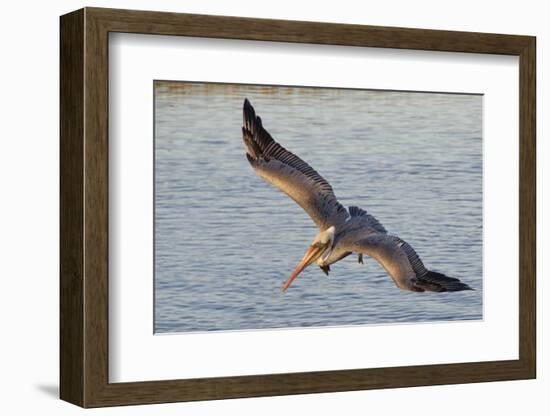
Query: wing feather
[(366, 219)]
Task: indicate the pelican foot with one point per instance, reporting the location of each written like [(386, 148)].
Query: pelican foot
[(325, 269)]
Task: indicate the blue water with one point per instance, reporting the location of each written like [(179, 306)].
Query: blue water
[(225, 240)]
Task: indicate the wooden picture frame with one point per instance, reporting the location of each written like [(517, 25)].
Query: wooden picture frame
[(84, 207)]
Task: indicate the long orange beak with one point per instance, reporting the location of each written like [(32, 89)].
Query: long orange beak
[(310, 255)]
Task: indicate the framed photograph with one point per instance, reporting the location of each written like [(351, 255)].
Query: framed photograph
[(254, 207)]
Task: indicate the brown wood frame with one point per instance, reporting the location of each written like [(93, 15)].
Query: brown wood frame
[(84, 207)]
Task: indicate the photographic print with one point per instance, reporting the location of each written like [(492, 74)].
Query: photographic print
[(288, 207)]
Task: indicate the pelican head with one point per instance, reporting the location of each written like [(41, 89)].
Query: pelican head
[(319, 251)]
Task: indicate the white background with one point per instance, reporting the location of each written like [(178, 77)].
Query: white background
[(29, 220), (137, 59)]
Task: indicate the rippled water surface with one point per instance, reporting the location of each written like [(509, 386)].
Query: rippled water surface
[(225, 240)]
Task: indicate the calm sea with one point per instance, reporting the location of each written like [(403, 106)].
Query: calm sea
[(225, 240)]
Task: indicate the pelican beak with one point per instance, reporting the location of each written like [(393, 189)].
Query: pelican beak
[(311, 255)]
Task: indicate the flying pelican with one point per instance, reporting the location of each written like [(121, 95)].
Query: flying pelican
[(342, 232)]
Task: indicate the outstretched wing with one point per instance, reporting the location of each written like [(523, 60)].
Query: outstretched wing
[(289, 173), (364, 219), (403, 264)]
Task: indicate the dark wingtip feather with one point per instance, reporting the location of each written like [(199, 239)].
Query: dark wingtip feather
[(249, 127), (438, 282), (256, 138), (247, 106), (249, 116)]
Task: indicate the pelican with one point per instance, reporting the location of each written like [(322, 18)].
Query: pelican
[(342, 231)]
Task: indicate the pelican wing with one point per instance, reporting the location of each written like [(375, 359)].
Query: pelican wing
[(365, 220), (404, 266), (289, 173)]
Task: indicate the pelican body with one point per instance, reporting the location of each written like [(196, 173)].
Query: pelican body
[(342, 231)]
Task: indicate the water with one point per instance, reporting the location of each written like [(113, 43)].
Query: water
[(225, 240)]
